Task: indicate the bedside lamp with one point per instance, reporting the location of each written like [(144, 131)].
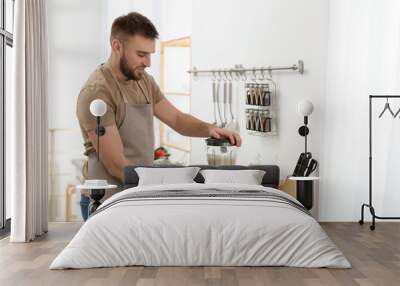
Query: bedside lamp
[(305, 108), (306, 164), (98, 108)]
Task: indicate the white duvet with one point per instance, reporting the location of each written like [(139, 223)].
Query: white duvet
[(200, 231)]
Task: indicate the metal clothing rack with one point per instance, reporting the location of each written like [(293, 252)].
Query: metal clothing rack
[(241, 71), (369, 205)]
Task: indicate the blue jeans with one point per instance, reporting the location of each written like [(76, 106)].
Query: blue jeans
[(84, 206)]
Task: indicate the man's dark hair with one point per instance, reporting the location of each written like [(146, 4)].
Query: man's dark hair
[(132, 24)]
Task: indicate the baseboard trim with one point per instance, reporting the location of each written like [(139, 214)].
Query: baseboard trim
[(5, 231)]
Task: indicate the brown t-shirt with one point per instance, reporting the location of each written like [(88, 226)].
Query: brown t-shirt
[(101, 85)]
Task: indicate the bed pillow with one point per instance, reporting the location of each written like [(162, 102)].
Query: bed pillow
[(248, 177), (166, 176)]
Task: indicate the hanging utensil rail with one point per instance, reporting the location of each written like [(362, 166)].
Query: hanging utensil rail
[(240, 71)]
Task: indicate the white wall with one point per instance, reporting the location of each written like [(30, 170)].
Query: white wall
[(363, 59), (176, 19), (75, 38), (356, 45), (261, 33)]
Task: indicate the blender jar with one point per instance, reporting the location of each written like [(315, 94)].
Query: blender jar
[(220, 152)]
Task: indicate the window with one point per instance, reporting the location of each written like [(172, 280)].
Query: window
[(6, 44)]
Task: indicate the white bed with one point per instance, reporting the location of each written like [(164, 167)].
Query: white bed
[(265, 229)]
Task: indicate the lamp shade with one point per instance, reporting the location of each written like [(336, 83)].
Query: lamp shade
[(305, 107), (98, 107)]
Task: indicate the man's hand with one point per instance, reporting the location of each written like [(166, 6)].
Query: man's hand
[(219, 133)]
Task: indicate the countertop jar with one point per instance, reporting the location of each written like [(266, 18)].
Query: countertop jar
[(220, 152)]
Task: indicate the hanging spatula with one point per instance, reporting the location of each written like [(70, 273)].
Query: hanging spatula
[(233, 124), (214, 98)]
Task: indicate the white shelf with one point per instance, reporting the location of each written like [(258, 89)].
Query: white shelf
[(94, 187), (262, 134), (303, 178)]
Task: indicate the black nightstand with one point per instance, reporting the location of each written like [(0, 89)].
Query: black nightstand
[(305, 190)]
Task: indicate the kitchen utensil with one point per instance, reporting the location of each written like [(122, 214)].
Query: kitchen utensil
[(233, 124), (218, 103), (224, 123), (214, 97)]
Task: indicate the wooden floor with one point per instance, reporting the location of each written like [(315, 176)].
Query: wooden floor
[(375, 257)]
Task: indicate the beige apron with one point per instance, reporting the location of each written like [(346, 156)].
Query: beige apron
[(136, 133)]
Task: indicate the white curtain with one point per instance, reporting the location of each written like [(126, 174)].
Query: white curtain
[(363, 59), (27, 122)]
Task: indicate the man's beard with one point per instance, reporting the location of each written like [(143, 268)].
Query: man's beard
[(131, 74)]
